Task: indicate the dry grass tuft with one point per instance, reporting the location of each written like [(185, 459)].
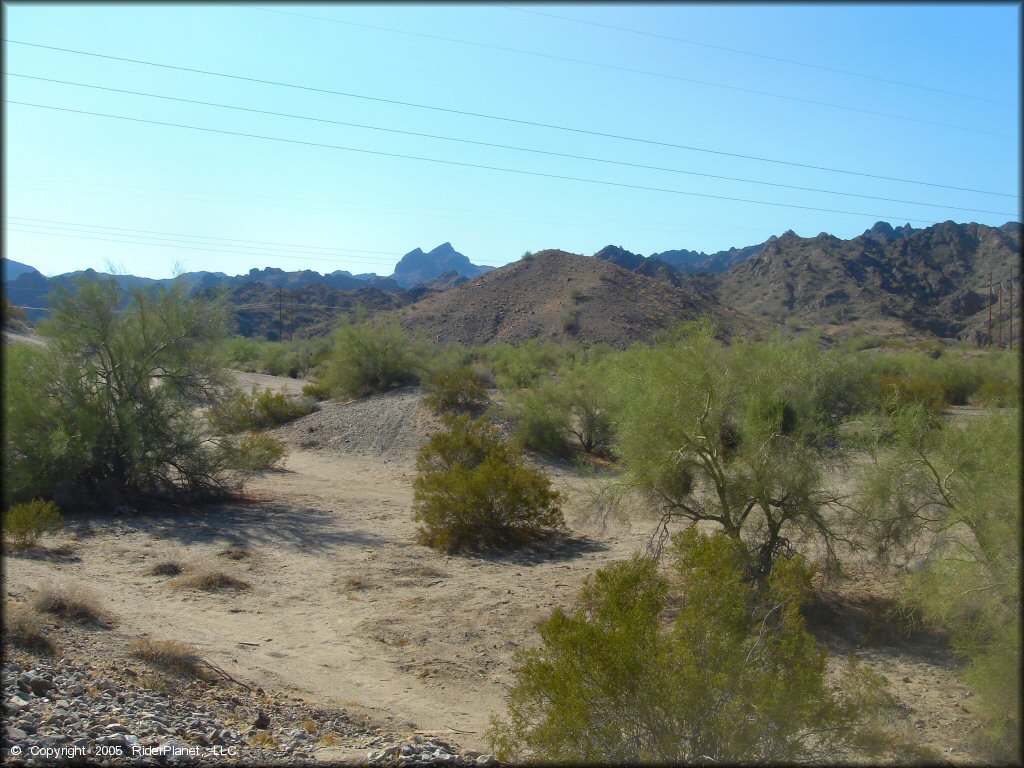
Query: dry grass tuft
[(166, 568), (309, 726), (329, 740), (210, 580), (62, 550), (236, 553), (178, 658), (263, 739), (74, 604), (24, 628)]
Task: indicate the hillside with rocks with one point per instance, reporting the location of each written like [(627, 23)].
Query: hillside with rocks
[(931, 281), (558, 295)]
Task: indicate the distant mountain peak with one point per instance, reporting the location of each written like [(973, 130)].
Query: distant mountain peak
[(418, 267)]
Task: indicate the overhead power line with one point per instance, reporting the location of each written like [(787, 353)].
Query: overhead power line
[(164, 243), (531, 150), (513, 120), (339, 251), (765, 56), (646, 72), (479, 166)]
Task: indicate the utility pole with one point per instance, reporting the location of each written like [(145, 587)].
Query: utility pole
[(999, 312), (990, 277), (291, 315), (281, 313), (1011, 307)]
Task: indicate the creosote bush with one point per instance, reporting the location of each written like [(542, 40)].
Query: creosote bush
[(370, 356), (734, 678), (457, 391), (26, 523), (473, 490)]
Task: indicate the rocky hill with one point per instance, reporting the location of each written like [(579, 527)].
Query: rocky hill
[(559, 295), (418, 267), (932, 281)]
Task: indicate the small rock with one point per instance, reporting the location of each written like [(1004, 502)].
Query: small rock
[(470, 754), (15, 734), (906, 679), (262, 720), (486, 760)]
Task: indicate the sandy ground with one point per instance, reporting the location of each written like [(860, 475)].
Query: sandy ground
[(347, 609)]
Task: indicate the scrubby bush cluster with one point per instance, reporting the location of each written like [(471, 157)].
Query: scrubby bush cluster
[(257, 409), (371, 356), (734, 678), (295, 359), (473, 490), (25, 524), (458, 390)]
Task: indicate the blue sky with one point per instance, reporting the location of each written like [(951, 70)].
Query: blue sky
[(922, 93)]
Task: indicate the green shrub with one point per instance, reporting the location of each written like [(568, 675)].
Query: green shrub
[(472, 490), (543, 421), (253, 452), (735, 677), (371, 357), (316, 390), (457, 391), (25, 524), (106, 412), (257, 409)]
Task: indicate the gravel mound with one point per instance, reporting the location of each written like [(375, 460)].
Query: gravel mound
[(395, 422)]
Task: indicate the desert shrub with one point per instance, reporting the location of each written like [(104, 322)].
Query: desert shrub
[(316, 390), (181, 659), (26, 629), (456, 391), (252, 452), (75, 603), (930, 393), (472, 490), (257, 409), (521, 365), (14, 316), (293, 358), (166, 568), (106, 412), (370, 357), (570, 320), (734, 678), (25, 524), (543, 420), (731, 435), (1000, 380), (211, 580), (953, 494)]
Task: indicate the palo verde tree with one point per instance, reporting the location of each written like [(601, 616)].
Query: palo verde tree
[(734, 677), (945, 503), (106, 411), (733, 435)]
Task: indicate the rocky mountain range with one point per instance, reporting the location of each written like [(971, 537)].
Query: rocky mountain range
[(888, 280)]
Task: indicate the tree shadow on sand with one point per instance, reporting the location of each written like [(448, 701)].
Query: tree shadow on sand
[(242, 524), (555, 549)]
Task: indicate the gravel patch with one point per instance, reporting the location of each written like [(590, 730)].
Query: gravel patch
[(395, 422)]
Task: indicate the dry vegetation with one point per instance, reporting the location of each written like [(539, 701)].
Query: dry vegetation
[(211, 580), (74, 603), (25, 628)]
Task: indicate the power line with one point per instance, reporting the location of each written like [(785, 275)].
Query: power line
[(511, 147), (342, 251), (757, 55), (512, 120), (193, 247), (519, 171), (632, 70)]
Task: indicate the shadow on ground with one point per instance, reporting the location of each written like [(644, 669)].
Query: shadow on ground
[(238, 525)]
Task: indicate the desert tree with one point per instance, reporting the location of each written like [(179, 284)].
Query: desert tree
[(736, 436), (106, 412), (944, 503)]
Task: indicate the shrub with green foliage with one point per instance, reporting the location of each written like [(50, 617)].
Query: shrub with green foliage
[(954, 493), (106, 411), (735, 677), (257, 409), (731, 435), (371, 356), (543, 420), (473, 490), (26, 523), (457, 391), (252, 452)]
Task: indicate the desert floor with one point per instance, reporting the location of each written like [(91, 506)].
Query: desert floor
[(346, 609)]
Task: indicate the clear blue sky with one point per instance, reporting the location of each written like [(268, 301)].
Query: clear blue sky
[(918, 92)]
